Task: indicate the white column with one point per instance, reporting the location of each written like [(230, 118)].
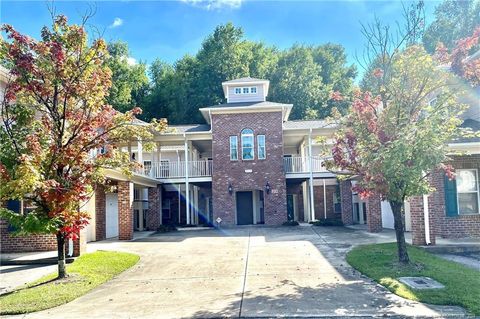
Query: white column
[(140, 152), (129, 148), (324, 200), (312, 203), (187, 185)]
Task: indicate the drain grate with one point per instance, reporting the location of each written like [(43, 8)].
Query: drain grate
[(421, 283)]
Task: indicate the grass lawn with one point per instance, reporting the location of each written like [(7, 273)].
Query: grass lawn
[(379, 262), (87, 272)]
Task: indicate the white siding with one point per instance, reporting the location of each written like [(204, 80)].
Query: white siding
[(236, 98)]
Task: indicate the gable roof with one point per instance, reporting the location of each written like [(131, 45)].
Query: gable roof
[(244, 80), (188, 128), (307, 124), (248, 104)]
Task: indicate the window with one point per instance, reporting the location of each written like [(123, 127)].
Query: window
[(147, 167), (253, 90), (261, 146), (238, 90), (247, 144), (233, 148), (246, 90), (467, 191)]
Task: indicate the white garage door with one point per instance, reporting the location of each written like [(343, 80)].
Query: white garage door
[(387, 216), (111, 215)]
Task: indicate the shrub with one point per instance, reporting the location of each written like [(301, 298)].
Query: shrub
[(166, 228), (290, 223), (327, 222)]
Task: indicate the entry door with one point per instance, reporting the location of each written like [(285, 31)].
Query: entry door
[(290, 208), (244, 208), (111, 218)]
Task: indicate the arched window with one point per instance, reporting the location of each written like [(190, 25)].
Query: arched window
[(248, 145)]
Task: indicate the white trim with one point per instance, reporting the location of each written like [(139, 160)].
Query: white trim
[(469, 192), (252, 135), (264, 147), (236, 147)]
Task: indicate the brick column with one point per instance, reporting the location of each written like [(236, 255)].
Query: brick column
[(80, 244), (417, 218), (374, 214), (154, 208), (100, 213), (125, 212), (346, 202)]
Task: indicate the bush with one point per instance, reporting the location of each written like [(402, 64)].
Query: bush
[(327, 222), (166, 228), (290, 223)]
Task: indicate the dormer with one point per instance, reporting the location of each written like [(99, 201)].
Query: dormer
[(246, 90)]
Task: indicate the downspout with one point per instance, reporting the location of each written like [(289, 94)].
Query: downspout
[(187, 185), (324, 200), (426, 219), (312, 204)]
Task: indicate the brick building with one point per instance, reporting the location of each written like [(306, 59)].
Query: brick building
[(249, 164)]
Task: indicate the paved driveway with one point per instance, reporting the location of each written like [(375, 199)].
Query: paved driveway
[(248, 272)]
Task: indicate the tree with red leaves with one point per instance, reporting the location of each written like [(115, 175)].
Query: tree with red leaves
[(58, 134), (394, 137)]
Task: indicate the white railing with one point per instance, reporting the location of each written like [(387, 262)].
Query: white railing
[(299, 164), (177, 169)]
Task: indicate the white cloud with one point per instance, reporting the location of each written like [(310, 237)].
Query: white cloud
[(131, 61), (116, 23), (215, 4)]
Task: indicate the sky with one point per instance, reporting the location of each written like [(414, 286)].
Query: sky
[(170, 29)]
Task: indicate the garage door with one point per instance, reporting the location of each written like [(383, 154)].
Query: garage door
[(111, 215)]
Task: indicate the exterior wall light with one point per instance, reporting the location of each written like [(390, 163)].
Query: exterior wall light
[(230, 189), (267, 188)]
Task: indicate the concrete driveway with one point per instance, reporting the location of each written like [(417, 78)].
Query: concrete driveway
[(243, 272)]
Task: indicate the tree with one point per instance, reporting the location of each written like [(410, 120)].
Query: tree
[(129, 79), (393, 139), (453, 20), (55, 122)]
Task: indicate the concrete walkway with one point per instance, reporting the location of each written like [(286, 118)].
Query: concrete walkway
[(243, 272)]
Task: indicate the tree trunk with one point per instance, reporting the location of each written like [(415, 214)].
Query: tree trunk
[(399, 232), (62, 272)]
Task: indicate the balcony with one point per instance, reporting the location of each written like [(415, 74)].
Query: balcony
[(298, 165), (176, 170)]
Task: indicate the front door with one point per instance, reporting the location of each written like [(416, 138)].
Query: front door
[(290, 208), (111, 212), (244, 208)]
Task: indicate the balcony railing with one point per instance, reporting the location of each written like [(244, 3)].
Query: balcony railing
[(299, 164), (176, 169)]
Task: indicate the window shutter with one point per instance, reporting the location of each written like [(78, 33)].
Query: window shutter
[(451, 208)]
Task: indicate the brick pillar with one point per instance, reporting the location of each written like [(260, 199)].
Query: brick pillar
[(374, 214), (417, 217), (80, 244), (154, 208), (100, 213), (125, 212), (346, 202)]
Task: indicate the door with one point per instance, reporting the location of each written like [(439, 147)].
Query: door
[(290, 208), (244, 208), (111, 218)]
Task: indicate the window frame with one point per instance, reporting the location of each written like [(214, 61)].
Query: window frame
[(236, 147), (247, 89), (242, 135), (264, 147), (477, 191), (253, 87), (235, 90)]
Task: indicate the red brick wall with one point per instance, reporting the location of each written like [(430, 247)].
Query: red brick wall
[(374, 214), (11, 244), (125, 212), (154, 207), (461, 225), (269, 170), (346, 202), (100, 213), (318, 202)]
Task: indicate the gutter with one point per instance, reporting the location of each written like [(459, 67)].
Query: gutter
[(426, 219)]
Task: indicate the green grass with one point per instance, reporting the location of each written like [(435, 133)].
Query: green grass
[(87, 272), (380, 262)]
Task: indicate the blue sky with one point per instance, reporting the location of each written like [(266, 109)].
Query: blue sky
[(171, 29)]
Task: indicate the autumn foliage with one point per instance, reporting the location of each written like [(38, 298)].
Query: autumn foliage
[(58, 134)]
